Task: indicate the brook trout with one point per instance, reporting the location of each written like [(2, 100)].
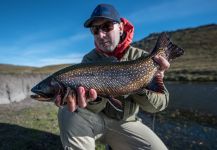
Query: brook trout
[(109, 78)]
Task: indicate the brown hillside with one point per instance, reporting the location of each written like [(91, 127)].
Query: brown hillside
[(199, 61)]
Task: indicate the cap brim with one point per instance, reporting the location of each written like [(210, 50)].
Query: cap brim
[(88, 23)]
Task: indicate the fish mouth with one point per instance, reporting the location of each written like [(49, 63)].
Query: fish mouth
[(39, 96)]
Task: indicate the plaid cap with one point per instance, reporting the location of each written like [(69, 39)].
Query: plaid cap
[(104, 11)]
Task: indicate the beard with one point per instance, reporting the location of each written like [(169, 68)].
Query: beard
[(108, 45)]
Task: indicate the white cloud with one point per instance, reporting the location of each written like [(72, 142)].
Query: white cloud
[(72, 58), (28, 47), (40, 62), (51, 46), (32, 51)]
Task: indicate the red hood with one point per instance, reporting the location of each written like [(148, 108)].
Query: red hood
[(122, 47)]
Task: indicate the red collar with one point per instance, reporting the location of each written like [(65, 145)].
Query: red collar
[(125, 43)]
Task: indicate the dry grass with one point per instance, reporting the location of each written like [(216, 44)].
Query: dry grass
[(30, 125)]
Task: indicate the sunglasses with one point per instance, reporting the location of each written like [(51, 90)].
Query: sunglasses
[(105, 27)]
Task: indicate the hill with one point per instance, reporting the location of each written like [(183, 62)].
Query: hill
[(8, 68), (199, 62), (13, 69)]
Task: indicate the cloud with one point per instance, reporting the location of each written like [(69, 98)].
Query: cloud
[(44, 61), (32, 50), (30, 45), (54, 45), (71, 58)]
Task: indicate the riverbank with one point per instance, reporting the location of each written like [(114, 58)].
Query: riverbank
[(184, 129), (199, 96), (33, 125)]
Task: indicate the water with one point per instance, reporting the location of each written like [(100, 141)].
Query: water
[(194, 96), (187, 132)]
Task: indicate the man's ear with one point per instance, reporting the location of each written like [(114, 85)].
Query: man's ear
[(121, 27)]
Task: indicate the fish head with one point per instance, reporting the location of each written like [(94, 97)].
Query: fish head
[(47, 90)]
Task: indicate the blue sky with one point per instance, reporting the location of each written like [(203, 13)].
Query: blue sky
[(46, 32)]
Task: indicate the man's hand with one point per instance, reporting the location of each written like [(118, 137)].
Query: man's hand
[(78, 98), (164, 65)]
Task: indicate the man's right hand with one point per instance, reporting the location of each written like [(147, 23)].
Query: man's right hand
[(78, 99)]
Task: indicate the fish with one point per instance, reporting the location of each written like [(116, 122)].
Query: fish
[(109, 79)]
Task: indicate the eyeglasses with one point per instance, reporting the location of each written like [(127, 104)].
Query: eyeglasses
[(105, 27)]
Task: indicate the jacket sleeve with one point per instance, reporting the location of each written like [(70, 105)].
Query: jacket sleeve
[(153, 98), (98, 105)]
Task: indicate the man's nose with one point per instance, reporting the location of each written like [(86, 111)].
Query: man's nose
[(101, 34)]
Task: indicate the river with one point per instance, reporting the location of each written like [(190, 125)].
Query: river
[(194, 96)]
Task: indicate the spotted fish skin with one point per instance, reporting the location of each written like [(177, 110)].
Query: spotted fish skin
[(114, 79), (110, 78)]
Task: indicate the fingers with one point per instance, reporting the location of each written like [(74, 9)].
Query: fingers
[(58, 101), (92, 95), (84, 98), (69, 98), (82, 101), (159, 74), (71, 101), (75, 99), (164, 64)]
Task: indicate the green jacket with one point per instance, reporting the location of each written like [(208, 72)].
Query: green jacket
[(147, 100)]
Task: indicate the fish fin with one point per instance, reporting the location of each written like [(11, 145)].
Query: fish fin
[(115, 103), (64, 99), (69, 91), (171, 50)]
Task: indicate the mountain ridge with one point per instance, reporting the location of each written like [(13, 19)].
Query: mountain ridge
[(199, 62)]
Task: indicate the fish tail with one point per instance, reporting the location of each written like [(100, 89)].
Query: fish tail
[(171, 50)]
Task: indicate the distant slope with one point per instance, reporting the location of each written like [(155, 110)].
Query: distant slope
[(199, 62), (50, 69), (200, 59), (8, 68), (13, 69)]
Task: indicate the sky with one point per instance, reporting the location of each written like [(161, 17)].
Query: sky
[(47, 32)]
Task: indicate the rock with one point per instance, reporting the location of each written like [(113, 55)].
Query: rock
[(16, 87)]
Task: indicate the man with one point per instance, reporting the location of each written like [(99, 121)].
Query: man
[(87, 118)]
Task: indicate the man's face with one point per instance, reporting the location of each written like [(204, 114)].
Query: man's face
[(106, 34)]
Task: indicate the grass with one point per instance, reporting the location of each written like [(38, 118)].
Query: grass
[(34, 126), (31, 127)]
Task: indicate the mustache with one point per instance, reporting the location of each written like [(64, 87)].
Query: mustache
[(104, 41)]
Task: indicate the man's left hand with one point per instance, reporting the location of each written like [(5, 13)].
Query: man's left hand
[(163, 63)]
